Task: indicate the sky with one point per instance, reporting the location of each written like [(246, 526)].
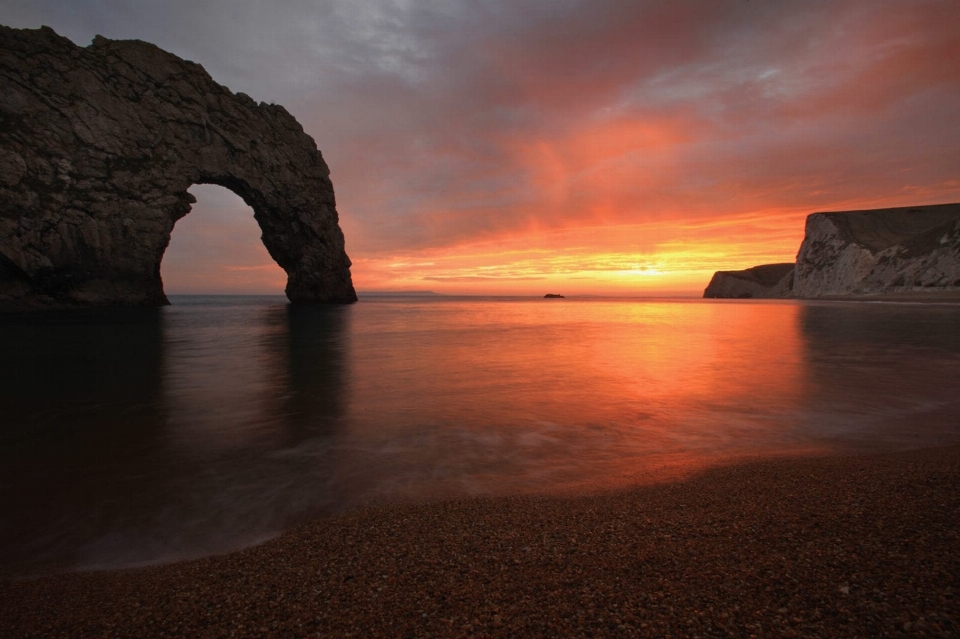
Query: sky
[(580, 147)]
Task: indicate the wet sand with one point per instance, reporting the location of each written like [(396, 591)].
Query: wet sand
[(835, 546)]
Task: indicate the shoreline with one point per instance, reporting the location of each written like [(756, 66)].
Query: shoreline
[(919, 297), (800, 546)]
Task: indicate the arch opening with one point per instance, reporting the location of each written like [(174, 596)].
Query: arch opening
[(216, 249)]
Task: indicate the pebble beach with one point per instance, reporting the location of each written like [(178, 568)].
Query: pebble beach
[(802, 547)]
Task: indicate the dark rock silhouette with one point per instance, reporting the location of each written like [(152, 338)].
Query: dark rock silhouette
[(767, 281), (905, 250), (553, 296), (98, 146)]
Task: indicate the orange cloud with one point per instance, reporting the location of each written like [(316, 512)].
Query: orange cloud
[(623, 147)]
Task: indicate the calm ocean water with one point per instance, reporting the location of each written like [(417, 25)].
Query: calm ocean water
[(139, 436)]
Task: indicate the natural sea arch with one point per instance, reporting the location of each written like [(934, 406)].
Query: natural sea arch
[(98, 148), (217, 249)]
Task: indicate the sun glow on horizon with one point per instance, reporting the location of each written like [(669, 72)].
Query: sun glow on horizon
[(619, 148), (643, 259)]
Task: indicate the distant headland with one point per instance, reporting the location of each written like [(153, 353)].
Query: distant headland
[(553, 296), (907, 253), (98, 149)]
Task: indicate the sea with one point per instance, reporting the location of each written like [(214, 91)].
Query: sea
[(131, 437)]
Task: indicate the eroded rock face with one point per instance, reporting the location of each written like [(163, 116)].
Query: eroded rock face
[(880, 251), (906, 250), (98, 146), (769, 281)]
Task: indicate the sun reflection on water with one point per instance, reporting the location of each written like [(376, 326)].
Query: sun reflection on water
[(134, 437)]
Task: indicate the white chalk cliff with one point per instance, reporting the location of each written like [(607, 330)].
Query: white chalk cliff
[(880, 251), (861, 253)]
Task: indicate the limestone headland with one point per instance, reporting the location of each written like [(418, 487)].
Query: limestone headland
[(766, 281), (897, 253), (98, 146)]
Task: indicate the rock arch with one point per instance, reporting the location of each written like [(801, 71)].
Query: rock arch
[(98, 146)]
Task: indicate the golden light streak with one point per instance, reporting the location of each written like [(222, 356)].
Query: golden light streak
[(664, 258)]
